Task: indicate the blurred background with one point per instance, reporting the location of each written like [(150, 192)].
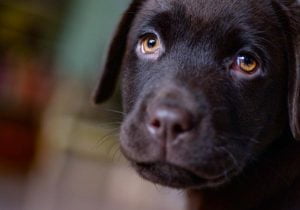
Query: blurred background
[(57, 150)]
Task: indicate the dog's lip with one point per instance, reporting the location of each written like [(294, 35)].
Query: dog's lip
[(209, 180), (168, 175)]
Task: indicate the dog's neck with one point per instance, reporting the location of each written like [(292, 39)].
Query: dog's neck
[(262, 181)]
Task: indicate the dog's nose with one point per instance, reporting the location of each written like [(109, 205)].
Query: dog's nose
[(167, 123)]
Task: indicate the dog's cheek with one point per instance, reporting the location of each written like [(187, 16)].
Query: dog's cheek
[(135, 144)]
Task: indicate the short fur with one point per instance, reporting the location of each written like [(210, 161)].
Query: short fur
[(242, 151)]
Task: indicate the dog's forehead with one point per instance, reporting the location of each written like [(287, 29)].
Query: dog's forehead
[(204, 8), (192, 6)]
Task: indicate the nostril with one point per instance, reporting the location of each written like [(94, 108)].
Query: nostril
[(155, 127), (177, 128), (155, 123)]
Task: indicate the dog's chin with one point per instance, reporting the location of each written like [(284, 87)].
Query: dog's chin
[(176, 177)]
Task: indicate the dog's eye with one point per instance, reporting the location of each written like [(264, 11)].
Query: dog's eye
[(150, 44), (246, 63)]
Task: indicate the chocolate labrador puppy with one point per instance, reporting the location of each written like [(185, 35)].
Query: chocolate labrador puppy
[(211, 92)]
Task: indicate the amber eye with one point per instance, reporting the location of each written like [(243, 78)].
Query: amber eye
[(150, 44), (246, 63)]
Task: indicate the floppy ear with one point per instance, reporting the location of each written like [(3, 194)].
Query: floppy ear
[(294, 77), (112, 66)]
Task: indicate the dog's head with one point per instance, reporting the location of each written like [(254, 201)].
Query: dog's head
[(207, 86)]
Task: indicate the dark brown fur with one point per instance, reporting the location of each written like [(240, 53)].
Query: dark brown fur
[(236, 147)]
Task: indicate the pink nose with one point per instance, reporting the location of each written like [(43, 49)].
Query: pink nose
[(167, 123)]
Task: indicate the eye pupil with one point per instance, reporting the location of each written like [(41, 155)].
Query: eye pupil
[(151, 43)]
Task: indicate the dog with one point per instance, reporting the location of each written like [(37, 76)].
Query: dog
[(211, 95)]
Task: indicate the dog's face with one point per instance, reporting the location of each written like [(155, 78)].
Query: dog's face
[(204, 87)]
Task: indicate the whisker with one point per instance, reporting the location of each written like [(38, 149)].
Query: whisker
[(234, 160), (112, 151), (253, 140), (239, 137), (111, 148), (111, 123), (156, 187), (115, 111), (106, 136), (117, 150), (180, 192), (119, 154)]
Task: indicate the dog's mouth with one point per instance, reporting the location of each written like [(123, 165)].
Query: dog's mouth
[(177, 177)]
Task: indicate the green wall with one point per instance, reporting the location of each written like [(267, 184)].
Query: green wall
[(86, 34)]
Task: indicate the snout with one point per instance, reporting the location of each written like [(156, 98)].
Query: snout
[(163, 119), (169, 135)]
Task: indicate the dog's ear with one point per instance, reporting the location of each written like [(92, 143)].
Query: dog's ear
[(112, 65), (293, 11)]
